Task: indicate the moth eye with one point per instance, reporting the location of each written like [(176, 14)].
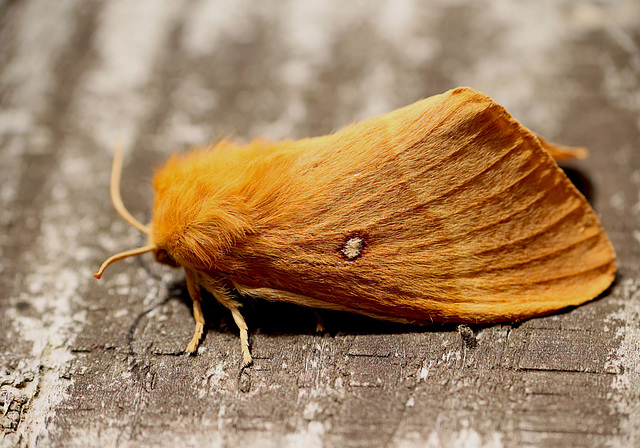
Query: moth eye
[(163, 257), (352, 249)]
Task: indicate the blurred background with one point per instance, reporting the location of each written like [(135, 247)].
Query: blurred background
[(86, 363)]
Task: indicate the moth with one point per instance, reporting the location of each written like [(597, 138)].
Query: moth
[(447, 210)]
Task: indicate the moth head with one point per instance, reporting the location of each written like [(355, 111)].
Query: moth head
[(159, 253)]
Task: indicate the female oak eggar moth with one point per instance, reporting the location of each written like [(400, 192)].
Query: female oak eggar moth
[(444, 210)]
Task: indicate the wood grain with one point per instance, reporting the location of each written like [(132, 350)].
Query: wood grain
[(84, 363)]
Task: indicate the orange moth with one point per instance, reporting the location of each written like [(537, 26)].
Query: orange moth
[(444, 210)]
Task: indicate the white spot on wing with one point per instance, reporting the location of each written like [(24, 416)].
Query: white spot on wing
[(353, 247)]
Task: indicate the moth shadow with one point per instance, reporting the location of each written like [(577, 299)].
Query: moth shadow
[(581, 181), (283, 318), (275, 318)]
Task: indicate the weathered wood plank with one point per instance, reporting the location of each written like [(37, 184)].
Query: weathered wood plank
[(86, 363)]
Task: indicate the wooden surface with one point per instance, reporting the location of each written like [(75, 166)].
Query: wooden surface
[(98, 363)]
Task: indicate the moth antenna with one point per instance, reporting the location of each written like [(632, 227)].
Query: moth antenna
[(122, 256), (116, 198)]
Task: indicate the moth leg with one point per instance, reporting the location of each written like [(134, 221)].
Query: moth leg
[(196, 298), (244, 336), (217, 289), (319, 322)]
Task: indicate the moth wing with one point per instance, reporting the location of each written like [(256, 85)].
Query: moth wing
[(456, 210), (562, 153)]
